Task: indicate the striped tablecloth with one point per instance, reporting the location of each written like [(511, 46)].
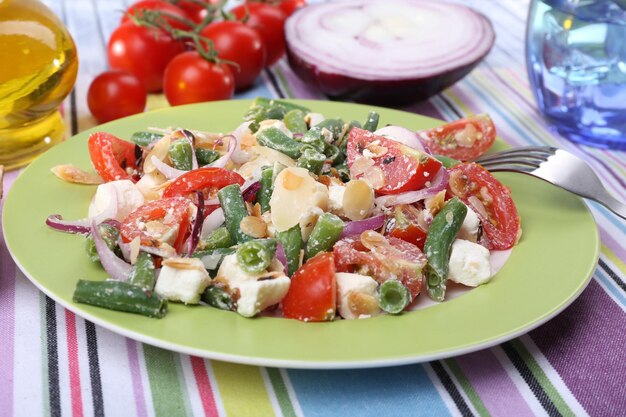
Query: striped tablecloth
[(55, 363)]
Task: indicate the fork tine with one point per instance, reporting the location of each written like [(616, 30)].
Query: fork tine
[(542, 152), (508, 167)]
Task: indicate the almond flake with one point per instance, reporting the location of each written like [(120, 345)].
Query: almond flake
[(71, 173)]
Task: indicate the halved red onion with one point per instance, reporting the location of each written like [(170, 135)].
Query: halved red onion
[(117, 268), (281, 256), (240, 156), (198, 221), (82, 226), (169, 171), (212, 222), (223, 160), (359, 226), (402, 135), (395, 52), (439, 183)]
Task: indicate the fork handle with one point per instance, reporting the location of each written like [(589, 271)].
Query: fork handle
[(612, 204)]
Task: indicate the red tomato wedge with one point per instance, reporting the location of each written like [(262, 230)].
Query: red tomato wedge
[(389, 166), (204, 179), (403, 224), (491, 201), (463, 139), (112, 157), (312, 294), (160, 221), (393, 259)]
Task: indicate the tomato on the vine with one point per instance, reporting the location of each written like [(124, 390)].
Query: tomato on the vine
[(190, 78), (115, 94), (290, 6), (196, 9), (270, 22), (143, 52), (240, 44), (177, 15)]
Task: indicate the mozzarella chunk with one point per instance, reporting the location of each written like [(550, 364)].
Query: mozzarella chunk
[(256, 296), (127, 195), (182, 279), (356, 295), (335, 198), (314, 118), (263, 156), (150, 185), (296, 198), (469, 263), (278, 124), (470, 226)]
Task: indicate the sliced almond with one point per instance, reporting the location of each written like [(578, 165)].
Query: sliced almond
[(292, 181), (253, 226), (376, 150), (361, 165), (184, 263), (73, 174), (371, 239), (375, 177), (362, 304), (134, 247), (358, 200), (160, 150), (436, 202)]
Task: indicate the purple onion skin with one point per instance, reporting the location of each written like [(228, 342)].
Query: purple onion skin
[(387, 92)]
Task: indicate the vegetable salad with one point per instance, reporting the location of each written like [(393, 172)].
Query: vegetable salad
[(291, 214)]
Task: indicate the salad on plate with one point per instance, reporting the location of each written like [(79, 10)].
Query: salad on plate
[(292, 214)]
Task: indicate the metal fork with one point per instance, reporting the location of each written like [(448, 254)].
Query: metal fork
[(555, 166)]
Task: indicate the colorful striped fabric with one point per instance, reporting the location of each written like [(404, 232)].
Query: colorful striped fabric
[(55, 363)]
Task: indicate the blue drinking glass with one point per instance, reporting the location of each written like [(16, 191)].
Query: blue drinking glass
[(576, 59)]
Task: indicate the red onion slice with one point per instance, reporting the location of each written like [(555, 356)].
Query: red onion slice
[(223, 160), (198, 221), (281, 256), (359, 226), (117, 268), (386, 51), (249, 193), (439, 183), (402, 135), (212, 222), (82, 226), (240, 156), (169, 171)]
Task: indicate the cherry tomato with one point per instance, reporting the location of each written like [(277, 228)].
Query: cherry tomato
[(290, 6), (463, 139), (491, 201), (143, 52), (196, 9), (189, 78), (203, 179), (404, 225), (172, 215), (398, 169), (112, 157), (115, 94), (312, 294), (178, 15), (392, 259), (240, 44), (270, 22)]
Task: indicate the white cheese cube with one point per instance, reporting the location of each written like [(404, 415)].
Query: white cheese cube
[(124, 193), (469, 263), (182, 279), (278, 124), (256, 296), (356, 295), (314, 118), (150, 185), (469, 228), (335, 198)]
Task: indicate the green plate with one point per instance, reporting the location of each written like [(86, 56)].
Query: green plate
[(547, 270)]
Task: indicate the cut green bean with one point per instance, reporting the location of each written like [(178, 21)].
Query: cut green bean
[(142, 272), (256, 256), (333, 154), (206, 156), (447, 161), (109, 234), (291, 240), (372, 121), (335, 126), (180, 153), (234, 211), (312, 160), (343, 171), (218, 238), (325, 233), (218, 297), (441, 234), (266, 102), (294, 120), (213, 258), (120, 296), (274, 138), (393, 297), (263, 109), (145, 138), (316, 138), (264, 194)]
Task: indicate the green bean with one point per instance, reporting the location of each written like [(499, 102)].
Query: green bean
[(372, 121), (109, 234), (145, 138), (277, 169), (264, 194), (256, 256), (180, 153), (218, 238), (266, 102), (206, 156), (142, 272), (344, 139), (274, 138), (393, 297), (234, 211), (315, 137), (441, 234), (447, 161), (312, 160), (335, 126), (294, 120), (218, 297), (120, 296), (333, 154), (213, 258), (263, 109), (343, 171), (291, 239), (324, 235)]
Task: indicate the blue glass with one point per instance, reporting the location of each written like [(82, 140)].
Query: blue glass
[(576, 58)]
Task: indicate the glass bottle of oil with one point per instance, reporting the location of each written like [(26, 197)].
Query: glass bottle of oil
[(38, 66)]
